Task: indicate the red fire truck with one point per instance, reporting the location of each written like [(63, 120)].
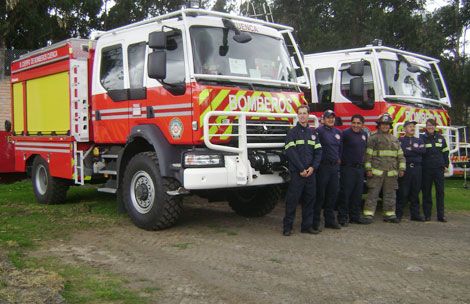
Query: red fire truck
[(375, 79), (193, 101)]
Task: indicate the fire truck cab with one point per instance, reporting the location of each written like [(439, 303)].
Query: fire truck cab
[(376, 79), (193, 101)]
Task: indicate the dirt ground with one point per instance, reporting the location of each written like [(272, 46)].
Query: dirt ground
[(215, 256)]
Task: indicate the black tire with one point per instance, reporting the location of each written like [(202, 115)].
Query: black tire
[(47, 189), (255, 201), (144, 194)]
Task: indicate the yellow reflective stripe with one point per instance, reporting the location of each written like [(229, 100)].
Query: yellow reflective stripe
[(369, 151), (300, 142), (317, 146), (392, 173), (438, 145), (311, 142), (368, 165), (400, 152), (402, 166), (289, 144), (428, 145), (389, 153), (389, 213), (445, 149), (377, 172), (368, 212)]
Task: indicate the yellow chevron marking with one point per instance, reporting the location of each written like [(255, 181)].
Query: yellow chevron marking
[(444, 118), (391, 110), (215, 103), (204, 95), (295, 99), (399, 114)]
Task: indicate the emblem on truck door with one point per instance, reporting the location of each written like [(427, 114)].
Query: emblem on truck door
[(176, 128)]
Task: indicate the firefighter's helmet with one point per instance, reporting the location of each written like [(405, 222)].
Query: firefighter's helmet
[(385, 119)]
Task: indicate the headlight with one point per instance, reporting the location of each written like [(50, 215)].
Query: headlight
[(196, 160)]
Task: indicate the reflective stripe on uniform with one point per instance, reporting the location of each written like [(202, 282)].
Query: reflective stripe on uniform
[(445, 149), (439, 145), (392, 173), (311, 142), (289, 144), (402, 166), (389, 153), (368, 165), (389, 213), (369, 151), (377, 172), (317, 146), (368, 212), (300, 142), (400, 152), (428, 145)]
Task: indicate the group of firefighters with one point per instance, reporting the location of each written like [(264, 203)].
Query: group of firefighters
[(327, 169)]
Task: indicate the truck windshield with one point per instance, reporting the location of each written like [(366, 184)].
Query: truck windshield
[(215, 52), (401, 82)]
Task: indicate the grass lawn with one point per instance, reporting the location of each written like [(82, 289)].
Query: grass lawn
[(24, 224), (457, 198)]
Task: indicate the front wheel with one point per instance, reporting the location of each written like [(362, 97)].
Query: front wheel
[(47, 189), (255, 201), (145, 194)]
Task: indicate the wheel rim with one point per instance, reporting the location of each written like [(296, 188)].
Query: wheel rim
[(41, 179), (142, 192)]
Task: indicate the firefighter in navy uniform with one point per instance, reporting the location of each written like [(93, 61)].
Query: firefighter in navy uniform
[(328, 172), (410, 183), (303, 152), (435, 161), (384, 163), (352, 173)]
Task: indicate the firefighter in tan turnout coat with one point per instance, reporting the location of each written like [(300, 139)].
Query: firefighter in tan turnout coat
[(384, 163)]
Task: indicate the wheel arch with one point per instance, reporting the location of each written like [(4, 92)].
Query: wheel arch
[(150, 138)]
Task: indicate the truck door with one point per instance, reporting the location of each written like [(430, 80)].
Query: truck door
[(348, 102), (110, 99)]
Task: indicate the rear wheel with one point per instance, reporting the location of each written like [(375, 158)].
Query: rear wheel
[(145, 194), (47, 189), (254, 202)]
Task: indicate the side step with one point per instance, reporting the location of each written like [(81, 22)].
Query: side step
[(107, 190), (109, 187)]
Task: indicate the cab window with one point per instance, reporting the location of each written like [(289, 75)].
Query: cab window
[(324, 84), (112, 68), (368, 93), (136, 61), (175, 60)]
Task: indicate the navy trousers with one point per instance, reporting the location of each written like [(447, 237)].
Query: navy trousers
[(408, 191), (327, 193), (300, 189), (433, 176), (350, 195)]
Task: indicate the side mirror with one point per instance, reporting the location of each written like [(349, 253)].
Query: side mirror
[(413, 69), (156, 65), (242, 37), (356, 89), (157, 40), (356, 69), (7, 125)]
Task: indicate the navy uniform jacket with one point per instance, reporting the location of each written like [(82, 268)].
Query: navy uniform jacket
[(437, 151), (354, 147), (330, 139), (303, 149), (413, 149)]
